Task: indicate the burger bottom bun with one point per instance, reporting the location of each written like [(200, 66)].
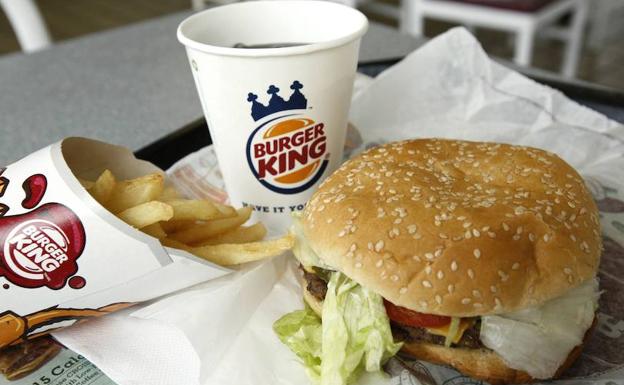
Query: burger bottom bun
[(481, 364)]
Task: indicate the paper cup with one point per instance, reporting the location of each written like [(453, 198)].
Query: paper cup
[(277, 116), (64, 257)]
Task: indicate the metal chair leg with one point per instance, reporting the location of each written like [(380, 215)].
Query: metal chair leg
[(574, 43)]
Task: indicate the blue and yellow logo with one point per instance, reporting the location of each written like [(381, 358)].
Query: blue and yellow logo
[(287, 152)]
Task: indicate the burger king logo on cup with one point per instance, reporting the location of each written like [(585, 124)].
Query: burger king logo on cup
[(287, 152)]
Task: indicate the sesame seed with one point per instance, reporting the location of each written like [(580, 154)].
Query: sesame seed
[(428, 269), (492, 234), (466, 301), (450, 288), (379, 263), (342, 233), (429, 256), (567, 270), (546, 237), (427, 284), (477, 253), (505, 226), (438, 252), (532, 237), (440, 274), (498, 303), (515, 266), (516, 237), (397, 221), (493, 289), (416, 258), (424, 304), (379, 245), (394, 277), (471, 273), (454, 266), (476, 293), (519, 230), (403, 290)]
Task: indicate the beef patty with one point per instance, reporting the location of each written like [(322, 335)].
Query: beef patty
[(470, 339)]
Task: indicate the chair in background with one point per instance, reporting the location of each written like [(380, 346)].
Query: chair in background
[(524, 23), (27, 23)]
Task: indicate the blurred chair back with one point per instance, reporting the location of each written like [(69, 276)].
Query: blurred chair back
[(27, 23)]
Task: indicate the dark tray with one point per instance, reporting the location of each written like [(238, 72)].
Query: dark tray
[(167, 150)]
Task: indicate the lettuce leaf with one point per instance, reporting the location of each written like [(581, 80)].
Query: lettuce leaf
[(353, 337), (301, 331), (538, 340)]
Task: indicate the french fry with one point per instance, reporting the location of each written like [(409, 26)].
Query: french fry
[(242, 234), (200, 232), (227, 211), (146, 214), (193, 210), (173, 226), (155, 230), (169, 193), (236, 254), (103, 187), (168, 242), (205, 228), (87, 184), (130, 193)]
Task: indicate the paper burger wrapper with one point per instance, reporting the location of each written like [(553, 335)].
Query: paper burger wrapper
[(64, 257)]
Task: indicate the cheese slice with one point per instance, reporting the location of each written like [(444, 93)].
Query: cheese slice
[(464, 324)]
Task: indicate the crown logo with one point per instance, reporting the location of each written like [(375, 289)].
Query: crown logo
[(297, 101)]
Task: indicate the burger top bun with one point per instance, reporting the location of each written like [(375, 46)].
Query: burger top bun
[(457, 228)]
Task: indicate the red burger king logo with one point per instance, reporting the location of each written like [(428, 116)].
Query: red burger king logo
[(287, 153), (41, 247)]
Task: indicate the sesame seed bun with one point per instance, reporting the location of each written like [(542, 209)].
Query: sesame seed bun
[(457, 228)]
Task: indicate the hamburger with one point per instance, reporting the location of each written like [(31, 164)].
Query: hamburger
[(479, 256)]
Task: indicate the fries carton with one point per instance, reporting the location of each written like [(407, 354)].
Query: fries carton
[(64, 257)]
